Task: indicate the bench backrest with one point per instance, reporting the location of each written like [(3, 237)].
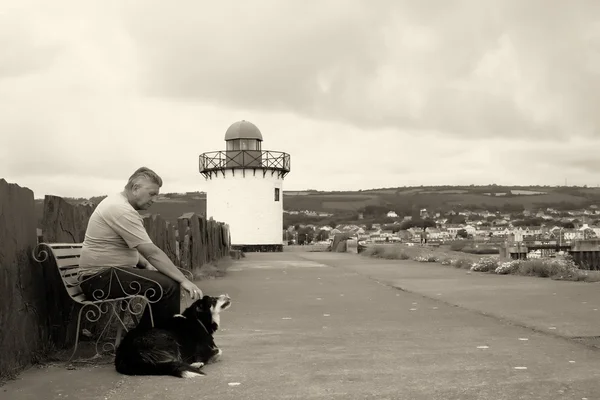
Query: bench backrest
[(67, 256)]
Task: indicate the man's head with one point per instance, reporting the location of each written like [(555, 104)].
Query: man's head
[(142, 188)]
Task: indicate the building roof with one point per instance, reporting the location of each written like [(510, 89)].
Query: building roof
[(243, 130)]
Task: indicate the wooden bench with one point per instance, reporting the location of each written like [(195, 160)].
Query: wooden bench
[(66, 258)]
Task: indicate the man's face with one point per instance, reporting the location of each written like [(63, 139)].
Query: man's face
[(144, 194)]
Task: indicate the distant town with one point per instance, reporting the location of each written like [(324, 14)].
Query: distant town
[(542, 224)]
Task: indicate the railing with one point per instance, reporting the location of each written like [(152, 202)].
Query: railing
[(215, 161)]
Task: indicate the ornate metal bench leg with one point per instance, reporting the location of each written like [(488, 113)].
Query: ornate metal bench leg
[(113, 312), (77, 332), (150, 311), (120, 327)]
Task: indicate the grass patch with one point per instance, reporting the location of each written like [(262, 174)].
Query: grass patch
[(458, 245), (557, 268), (481, 250), (471, 247)]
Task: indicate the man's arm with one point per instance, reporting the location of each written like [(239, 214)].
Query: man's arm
[(155, 256), (130, 227), (145, 264)]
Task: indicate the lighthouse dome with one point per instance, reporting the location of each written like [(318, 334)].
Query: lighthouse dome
[(243, 130)]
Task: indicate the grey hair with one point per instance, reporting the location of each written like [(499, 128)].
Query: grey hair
[(143, 173)]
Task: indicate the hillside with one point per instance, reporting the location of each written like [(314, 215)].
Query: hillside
[(402, 200)]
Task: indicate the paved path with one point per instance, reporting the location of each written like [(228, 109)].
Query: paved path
[(567, 309), (333, 326)]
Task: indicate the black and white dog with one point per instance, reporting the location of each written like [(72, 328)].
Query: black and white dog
[(180, 346)]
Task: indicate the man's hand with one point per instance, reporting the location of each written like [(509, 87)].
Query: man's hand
[(192, 289)]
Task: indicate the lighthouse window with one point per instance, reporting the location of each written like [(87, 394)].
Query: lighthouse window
[(276, 194), (233, 145), (243, 144)]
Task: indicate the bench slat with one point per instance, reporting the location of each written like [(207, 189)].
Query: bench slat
[(67, 256), (75, 292), (64, 263), (71, 252), (59, 245), (69, 274), (79, 297)]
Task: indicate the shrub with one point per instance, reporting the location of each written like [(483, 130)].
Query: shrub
[(426, 258), (388, 252), (486, 264), (508, 267), (446, 261), (462, 263), (559, 267)]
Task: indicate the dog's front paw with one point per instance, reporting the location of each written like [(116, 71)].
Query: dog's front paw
[(190, 374), (198, 364), (217, 356)]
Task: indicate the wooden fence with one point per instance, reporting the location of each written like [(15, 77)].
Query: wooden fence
[(35, 312)]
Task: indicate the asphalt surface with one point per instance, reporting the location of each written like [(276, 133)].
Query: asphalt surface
[(340, 326)]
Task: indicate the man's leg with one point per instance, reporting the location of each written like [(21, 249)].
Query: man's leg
[(128, 281)]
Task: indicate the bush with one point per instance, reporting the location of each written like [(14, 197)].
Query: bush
[(426, 258), (509, 267), (559, 267), (446, 261), (462, 263), (486, 264), (388, 252)]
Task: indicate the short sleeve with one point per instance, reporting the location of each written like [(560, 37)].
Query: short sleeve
[(130, 227)]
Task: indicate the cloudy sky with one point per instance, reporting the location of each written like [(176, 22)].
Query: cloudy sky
[(362, 94)]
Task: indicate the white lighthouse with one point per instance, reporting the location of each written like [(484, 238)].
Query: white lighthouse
[(245, 188)]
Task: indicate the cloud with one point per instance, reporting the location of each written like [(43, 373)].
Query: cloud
[(22, 52), (465, 68), (361, 94)]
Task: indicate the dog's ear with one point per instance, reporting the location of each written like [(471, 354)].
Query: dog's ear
[(203, 304)]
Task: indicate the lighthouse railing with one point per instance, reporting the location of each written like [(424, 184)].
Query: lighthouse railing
[(263, 159)]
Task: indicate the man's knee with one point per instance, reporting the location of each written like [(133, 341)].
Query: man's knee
[(167, 286), (170, 286)]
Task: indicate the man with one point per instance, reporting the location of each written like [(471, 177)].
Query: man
[(116, 237), (424, 235)]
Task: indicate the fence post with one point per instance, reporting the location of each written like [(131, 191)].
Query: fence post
[(23, 328)]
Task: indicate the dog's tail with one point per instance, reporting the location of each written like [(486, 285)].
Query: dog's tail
[(155, 362), (174, 368), (177, 368)]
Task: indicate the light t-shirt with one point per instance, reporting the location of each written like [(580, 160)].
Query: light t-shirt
[(113, 232)]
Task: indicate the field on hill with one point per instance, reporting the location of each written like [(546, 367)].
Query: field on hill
[(445, 197)]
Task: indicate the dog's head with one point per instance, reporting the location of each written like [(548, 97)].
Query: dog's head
[(207, 310)]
